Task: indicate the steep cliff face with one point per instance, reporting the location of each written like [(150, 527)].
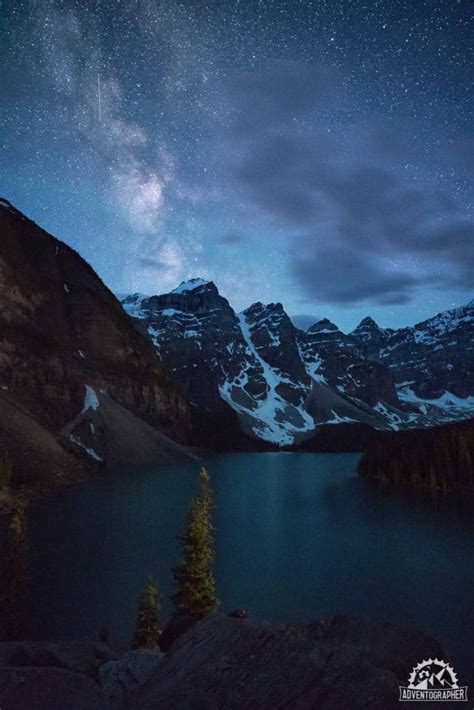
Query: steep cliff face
[(331, 357), (280, 382), (275, 339), (245, 368), (62, 329), (430, 359), (198, 336)]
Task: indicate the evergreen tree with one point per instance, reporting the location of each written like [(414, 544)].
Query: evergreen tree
[(15, 561), (194, 582), (148, 633), (5, 469)]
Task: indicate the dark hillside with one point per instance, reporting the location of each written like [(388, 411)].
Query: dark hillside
[(438, 459)]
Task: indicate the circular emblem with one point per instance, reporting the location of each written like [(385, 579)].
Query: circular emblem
[(432, 674)]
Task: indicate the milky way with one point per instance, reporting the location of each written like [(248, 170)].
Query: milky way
[(314, 153)]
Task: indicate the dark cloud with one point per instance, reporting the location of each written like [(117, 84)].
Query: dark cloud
[(461, 153), (367, 231), (338, 275), (153, 263), (232, 239), (276, 95)]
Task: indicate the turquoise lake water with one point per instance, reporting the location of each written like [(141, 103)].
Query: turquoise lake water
[(298, 536)]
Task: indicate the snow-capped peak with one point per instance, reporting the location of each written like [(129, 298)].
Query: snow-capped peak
[(367, 322), (190, 285), (367, 328), (323, 326)]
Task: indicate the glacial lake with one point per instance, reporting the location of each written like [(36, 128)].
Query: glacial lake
[(298, 537)]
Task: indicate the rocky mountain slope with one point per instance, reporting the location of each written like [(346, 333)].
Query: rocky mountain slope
[(428, 360), (283, 382), (220, 358), (66, 346)]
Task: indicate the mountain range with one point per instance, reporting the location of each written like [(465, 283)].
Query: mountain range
[(283, 382), (87, 381)]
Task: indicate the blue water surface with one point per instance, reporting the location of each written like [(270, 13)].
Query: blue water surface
[(298, 537)]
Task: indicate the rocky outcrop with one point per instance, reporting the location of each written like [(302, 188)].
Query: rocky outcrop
[(62, 331), (331, 358), (118, 678), (77, 656), (52, 675), (248, 363), (198, 338), (275, 340), (222, 662), (343, 662), (49, 689), (428, 359)]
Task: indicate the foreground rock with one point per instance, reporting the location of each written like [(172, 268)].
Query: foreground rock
[(52, 675), (120, 677), (48, 689), (224, 662)]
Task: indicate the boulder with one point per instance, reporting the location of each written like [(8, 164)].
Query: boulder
[(176, 627), (48, 688), (77, 656), (118, 678), (225, 662), (52, 675)]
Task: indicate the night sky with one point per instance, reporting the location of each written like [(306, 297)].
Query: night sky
[(314, 153)]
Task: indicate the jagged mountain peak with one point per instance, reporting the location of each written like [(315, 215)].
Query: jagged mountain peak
[(132, 297), (270, 315), (367, 323), (193, 285), (451, 315), (367, 330), (6, 204), (258, 307), (323, 325)]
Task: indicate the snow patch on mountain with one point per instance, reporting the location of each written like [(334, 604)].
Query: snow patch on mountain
[(393, 419), (91, 401), (446, 400), (133, 305), (312, 363), (274, 418), (87, 449), (190, 285), (337, 419)]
